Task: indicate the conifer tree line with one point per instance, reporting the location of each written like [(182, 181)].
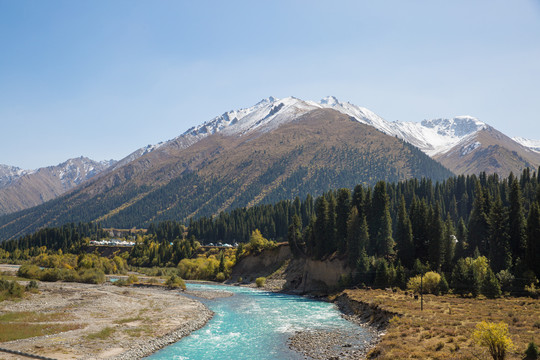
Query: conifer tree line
[(68, 238), (407, 227), (470, 229)]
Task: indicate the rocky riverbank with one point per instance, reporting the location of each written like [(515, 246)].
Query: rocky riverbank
[(339, 344), (105, 321)]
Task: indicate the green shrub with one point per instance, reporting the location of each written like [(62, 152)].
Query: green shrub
[(132, 279), (220, 277), (50, 275), (10, 290), (32, 286), (29, 271), (120, 282), (430, 283), (260, 281), (175, 282), (490, 285), (92, 276), (532, 352), (16, 290), (443, 285)]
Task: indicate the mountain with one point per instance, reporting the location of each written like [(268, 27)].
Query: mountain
[(277, 149), (454, 142), (244, 157), (22, 189), (463, 144), (534, 145), (8, 174), (491, 151)]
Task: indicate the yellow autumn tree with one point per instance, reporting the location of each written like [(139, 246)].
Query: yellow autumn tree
[(495, 337)]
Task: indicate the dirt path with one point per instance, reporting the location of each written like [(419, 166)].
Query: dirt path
[(109, 321)]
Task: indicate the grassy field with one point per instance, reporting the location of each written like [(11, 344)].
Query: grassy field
[(22, 325), (443, 329)]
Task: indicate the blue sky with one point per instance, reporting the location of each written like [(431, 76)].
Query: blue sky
[(103, 78)]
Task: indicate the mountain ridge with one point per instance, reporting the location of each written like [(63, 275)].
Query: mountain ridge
[(21, 189), (311, 153)]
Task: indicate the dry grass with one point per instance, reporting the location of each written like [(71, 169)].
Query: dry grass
[(23, 325), (443, 330), (103, 334)]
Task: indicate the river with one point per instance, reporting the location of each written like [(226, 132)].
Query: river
[(254, 324)]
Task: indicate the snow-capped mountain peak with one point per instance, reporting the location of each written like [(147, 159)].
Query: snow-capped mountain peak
[(434, 136), (329, 101), (533, 145)]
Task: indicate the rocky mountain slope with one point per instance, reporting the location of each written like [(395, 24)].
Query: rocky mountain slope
[(21, 189), (288, 152), (491, 151), (446, 140), (463, 144)]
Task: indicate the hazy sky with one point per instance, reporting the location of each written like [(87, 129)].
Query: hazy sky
[(103, 78)]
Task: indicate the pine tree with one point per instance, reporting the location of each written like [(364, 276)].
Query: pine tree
[(382, 274), (221, 267), (461, 245), (517, 221), (343, 208), (443, 285), (404, 236), (449, 243), (499, 247), (358, 199), (532, 256), (436, 255), (353, 236), (330, 245), (294, 236), (490, 285), (382, 242), (319, 230), (420, 228), (363, 269), (478, 222)]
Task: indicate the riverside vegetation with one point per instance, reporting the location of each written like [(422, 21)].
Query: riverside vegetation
[(472, 236)]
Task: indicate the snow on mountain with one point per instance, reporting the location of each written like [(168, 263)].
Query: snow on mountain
[(431, 136), (533, 145), (71, 172), (8, 174), (75, 171)]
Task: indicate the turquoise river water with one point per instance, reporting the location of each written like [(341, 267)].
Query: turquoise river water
[(254, 324)]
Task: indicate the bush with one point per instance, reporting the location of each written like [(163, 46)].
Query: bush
[(220, 277), (532, 291), (490, 285), (32, 286), (494, 337), (443, 285), (175, 282), (132, 279), (92, 276), (16, 290), (260, 281), (506, 280), (258, 243), (430, 283), (532, 352), (29, 271)]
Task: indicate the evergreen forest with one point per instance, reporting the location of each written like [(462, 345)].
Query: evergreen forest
[(479, 234)]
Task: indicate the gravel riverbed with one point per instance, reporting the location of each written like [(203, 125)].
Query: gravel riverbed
[(110, 322)]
